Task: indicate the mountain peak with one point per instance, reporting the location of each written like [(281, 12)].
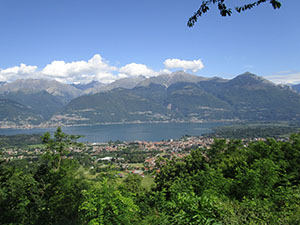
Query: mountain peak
[(248, 78), (172, 78), (32, 86), (248, 74)]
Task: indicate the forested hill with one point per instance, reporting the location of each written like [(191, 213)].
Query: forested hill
[(19, 140), (227, 183)]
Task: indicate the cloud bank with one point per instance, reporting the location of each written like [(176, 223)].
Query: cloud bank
[(18, 72), (80, 71), (194, 65), (134, 69), (95, 68)]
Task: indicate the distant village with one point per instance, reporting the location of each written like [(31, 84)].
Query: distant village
[(138, 157)]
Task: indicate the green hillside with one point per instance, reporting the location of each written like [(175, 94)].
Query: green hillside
[(41, 103), (18, 113)]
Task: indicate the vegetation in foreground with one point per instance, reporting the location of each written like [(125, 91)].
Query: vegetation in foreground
[(228, 183)]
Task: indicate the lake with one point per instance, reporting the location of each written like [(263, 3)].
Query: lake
[(127, 132)]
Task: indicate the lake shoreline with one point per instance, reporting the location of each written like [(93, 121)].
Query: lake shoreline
[(127, 132), (48, 126)]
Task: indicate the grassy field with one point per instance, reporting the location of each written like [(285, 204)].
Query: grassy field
[(140, 165), (147, 182), (36, 146)]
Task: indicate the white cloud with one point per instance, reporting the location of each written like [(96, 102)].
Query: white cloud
[(105, 77), (67, 72), (18, 72), (165, 71), (22, 69), (193, 65), (95, 68), (2, 78), (134, 69), (289, 78), (80, 71)]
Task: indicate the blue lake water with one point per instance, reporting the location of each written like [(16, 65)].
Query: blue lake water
[(127, 132)]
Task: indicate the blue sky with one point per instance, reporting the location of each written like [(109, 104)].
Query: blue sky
[(80, 40)]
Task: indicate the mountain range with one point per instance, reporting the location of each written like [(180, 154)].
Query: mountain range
[(296, 87), (177, 97)]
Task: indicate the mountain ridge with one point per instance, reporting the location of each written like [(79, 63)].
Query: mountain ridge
[(245, 97), (296, 88), (176, 97)]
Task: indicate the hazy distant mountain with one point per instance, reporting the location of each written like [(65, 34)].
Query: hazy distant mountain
[(296, 87), (41, 103), (2, 83), (43, 97), (250, 80), (127, 83), (32, 86), (183, 97), (255, 98), (169, 79), (173, 97), (131, 82), (13, 113), (87, 86)]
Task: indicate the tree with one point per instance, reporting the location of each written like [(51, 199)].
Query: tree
[(225, 10), (60, 145), (59, 184), (19, 197), (105, 204)]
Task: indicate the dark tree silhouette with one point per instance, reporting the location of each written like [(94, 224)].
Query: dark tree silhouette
[(225, 10)]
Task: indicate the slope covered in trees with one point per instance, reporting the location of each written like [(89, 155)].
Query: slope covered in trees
[(228, 183)]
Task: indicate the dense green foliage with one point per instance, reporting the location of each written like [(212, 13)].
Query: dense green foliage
[(233, 184), (20, 140), (228, 183)]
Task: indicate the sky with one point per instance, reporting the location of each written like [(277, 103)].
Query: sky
[(83, 40)]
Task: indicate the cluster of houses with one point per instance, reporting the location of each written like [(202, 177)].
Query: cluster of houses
[(183, 144), (168, 148)]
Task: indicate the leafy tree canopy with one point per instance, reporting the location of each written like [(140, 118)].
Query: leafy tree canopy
[(225, 10), (60, 144)]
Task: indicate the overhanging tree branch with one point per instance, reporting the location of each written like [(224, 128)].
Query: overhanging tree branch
[(227, 11)]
